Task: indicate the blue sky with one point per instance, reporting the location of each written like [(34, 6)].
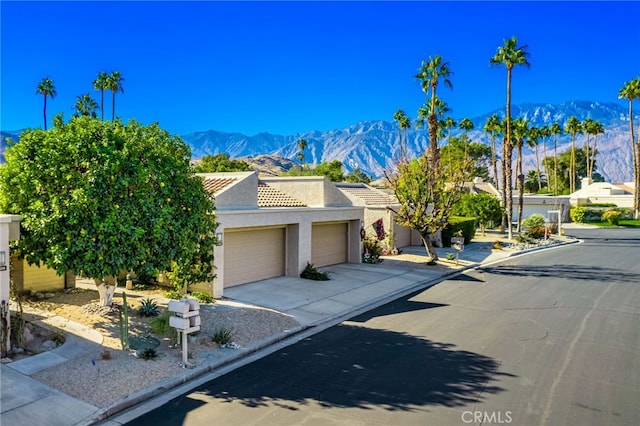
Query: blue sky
[(289, 67)]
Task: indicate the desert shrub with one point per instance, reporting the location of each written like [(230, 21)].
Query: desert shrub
[(612, 216), (160, 324), (536, 232), (456, 224), (536, 220), (148, 353), (203, 297), (310, 272), (372, 250), (149, 308), (577, 214), (221, 336), (450, 256), (173, 295)]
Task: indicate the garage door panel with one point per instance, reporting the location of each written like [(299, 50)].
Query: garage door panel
[(253, 255), (329, 244)]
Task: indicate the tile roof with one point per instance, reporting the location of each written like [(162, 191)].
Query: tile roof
[(268, 196), (370, 196), (216, 184)]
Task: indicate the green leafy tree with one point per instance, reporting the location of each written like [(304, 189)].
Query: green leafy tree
[(220, 163), (358, 176), (47, 89), (631, 91), (101, 83), (509, 55), (486, 208), (475, 156), (98, 198), (332, 170), (114, 83), (561, 166), (85, 105), (426, 197)]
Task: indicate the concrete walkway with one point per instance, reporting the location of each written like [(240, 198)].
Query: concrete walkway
[(353, 288)]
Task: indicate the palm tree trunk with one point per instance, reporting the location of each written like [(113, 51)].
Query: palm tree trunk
[(494, 161), (113, 106), (507, 160), (520, 178), (102, 102), (44, 111), (592, 161), (555, 166), (544, 164), (572, 166), (587, 156), (538, 167)]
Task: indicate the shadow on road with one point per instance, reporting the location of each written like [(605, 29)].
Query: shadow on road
[(571, 272)]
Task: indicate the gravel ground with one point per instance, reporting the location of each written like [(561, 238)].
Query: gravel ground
[(109, 374)]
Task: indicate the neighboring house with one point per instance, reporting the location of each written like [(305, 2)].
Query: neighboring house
[(620, 194), (37, 278), (274, 226), (541, 204), (379, 204)]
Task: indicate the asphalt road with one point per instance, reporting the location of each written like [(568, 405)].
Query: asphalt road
[(551, 338)]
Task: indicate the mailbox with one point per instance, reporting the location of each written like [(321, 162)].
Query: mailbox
[(187, 318)]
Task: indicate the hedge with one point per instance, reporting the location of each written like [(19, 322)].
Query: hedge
[(467, 225)]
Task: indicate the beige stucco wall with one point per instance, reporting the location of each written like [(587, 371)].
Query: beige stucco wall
[(298, 223), (314, 191)]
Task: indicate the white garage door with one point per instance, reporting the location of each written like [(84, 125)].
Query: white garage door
[(329, 243), (253, 255)]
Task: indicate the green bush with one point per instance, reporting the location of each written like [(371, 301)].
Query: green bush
[(456, 223), (602, 205), (577, 214), (536, 232), (221, 336), (612, 216), (173, 294), (310, 272), (203, 297), (536, 220), (372, 250), (160, 324)]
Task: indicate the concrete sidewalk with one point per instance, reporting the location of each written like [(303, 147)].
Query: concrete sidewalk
[(353, 288)]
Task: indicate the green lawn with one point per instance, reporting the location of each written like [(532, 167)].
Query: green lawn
[(626, 223)]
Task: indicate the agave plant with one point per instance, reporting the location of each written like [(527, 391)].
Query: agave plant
[(149, 308)]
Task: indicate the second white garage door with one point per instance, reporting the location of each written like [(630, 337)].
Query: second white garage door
[(329, 244), (253, 255)]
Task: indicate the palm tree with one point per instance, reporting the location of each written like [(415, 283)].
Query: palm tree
[(430, 73), (510, 55), (520, 134), (555, 130), (532, 142), (114, 84), (448, 124), (545, 132), (46, 88), (631, 91), (597, 129), (588, 128), (302, 144), (101, 83), (401, 118), (466, 124), (85, 105), (574, 127), (492, 126)]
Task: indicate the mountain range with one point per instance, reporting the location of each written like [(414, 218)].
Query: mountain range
[(370, 145)]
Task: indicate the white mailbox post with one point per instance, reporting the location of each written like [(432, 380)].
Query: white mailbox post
[(457, 243), (186, 320)]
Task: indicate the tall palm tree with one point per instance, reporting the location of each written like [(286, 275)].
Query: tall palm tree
[(101, 83), (574, 127), (466, 125), (448, 124), (555, 130), (631, 91), (509, 55), (430, 73), (596, 129), (114, 84), (492, 126), (545, 132), (533, 141), (520, 134), (85, 105), (588, 128), (401, 118), (46, 88)]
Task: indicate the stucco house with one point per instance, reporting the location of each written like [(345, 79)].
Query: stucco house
[(274, 226), (379, 204), (620, 194)]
